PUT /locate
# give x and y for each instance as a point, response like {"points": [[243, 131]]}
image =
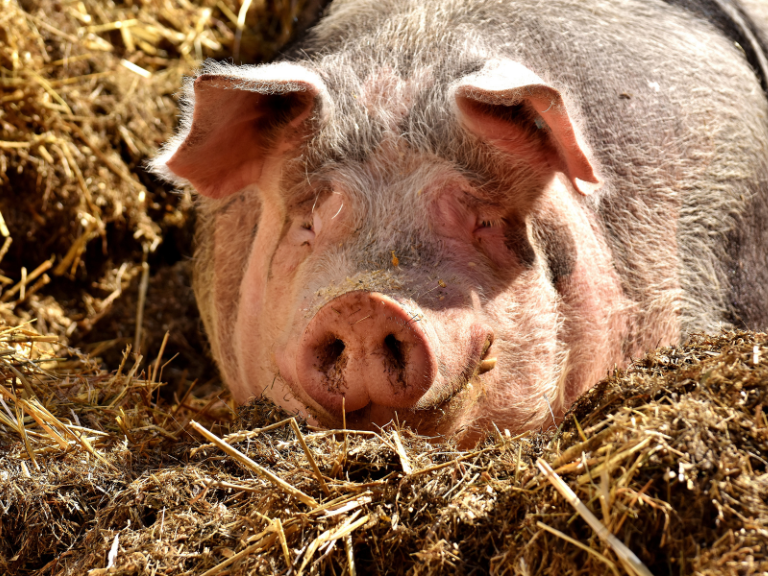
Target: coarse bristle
{"points": [[657, 470], [115, 460]]}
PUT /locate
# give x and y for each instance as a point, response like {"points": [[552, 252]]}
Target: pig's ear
{"points": [[236, 119], [508, 105]]}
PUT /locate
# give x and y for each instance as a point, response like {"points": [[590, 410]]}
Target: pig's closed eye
{"points": [[306, 228], [502, 238], [303, 232], [485, 226]]}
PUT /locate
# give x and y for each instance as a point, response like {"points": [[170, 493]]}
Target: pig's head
{"points": [[387, 248]]}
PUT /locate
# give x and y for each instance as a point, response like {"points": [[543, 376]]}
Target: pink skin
{"points": [[276, 339], [478, 336], [512, 83], [530, 324]]}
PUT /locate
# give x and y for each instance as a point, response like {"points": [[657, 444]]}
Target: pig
{"points": [[461, 214]]}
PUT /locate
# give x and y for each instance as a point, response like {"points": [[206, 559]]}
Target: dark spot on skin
{"points": [[516, 240], [558, 247]]}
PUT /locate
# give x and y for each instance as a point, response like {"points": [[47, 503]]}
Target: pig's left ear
{"points": [[237, 118], [493, 103]]}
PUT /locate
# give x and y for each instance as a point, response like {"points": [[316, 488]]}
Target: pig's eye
{"points": [[488, 225], [303, 232], [306, 228], [502, 238]]}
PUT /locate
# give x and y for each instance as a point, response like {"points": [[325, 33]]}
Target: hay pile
{"points": [[100, 476], [130, 467], [86, 95]]}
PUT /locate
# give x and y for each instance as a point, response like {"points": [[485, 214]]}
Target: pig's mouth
{"points": [[438, 413], [429, 415], [433, 421], [478, 362]]}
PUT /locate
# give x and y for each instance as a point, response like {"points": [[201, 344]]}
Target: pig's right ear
{"points": [[236, 119], [512, 108]]}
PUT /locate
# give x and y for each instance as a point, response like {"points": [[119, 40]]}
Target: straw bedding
{"points": [[125, 456], [100, 476]]}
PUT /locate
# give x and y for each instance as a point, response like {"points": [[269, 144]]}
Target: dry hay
{"points": [[86, 95], [97, 471]]}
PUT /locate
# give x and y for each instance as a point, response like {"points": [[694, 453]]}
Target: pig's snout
{"points": [[365, 348]]}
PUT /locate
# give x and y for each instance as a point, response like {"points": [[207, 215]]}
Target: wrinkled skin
{"points": [[457, 214]]}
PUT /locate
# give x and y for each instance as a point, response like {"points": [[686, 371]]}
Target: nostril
{"points": [[329, 354], [395, 352]]}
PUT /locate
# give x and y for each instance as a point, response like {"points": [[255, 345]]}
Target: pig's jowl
{"points": [[463, 213]]}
